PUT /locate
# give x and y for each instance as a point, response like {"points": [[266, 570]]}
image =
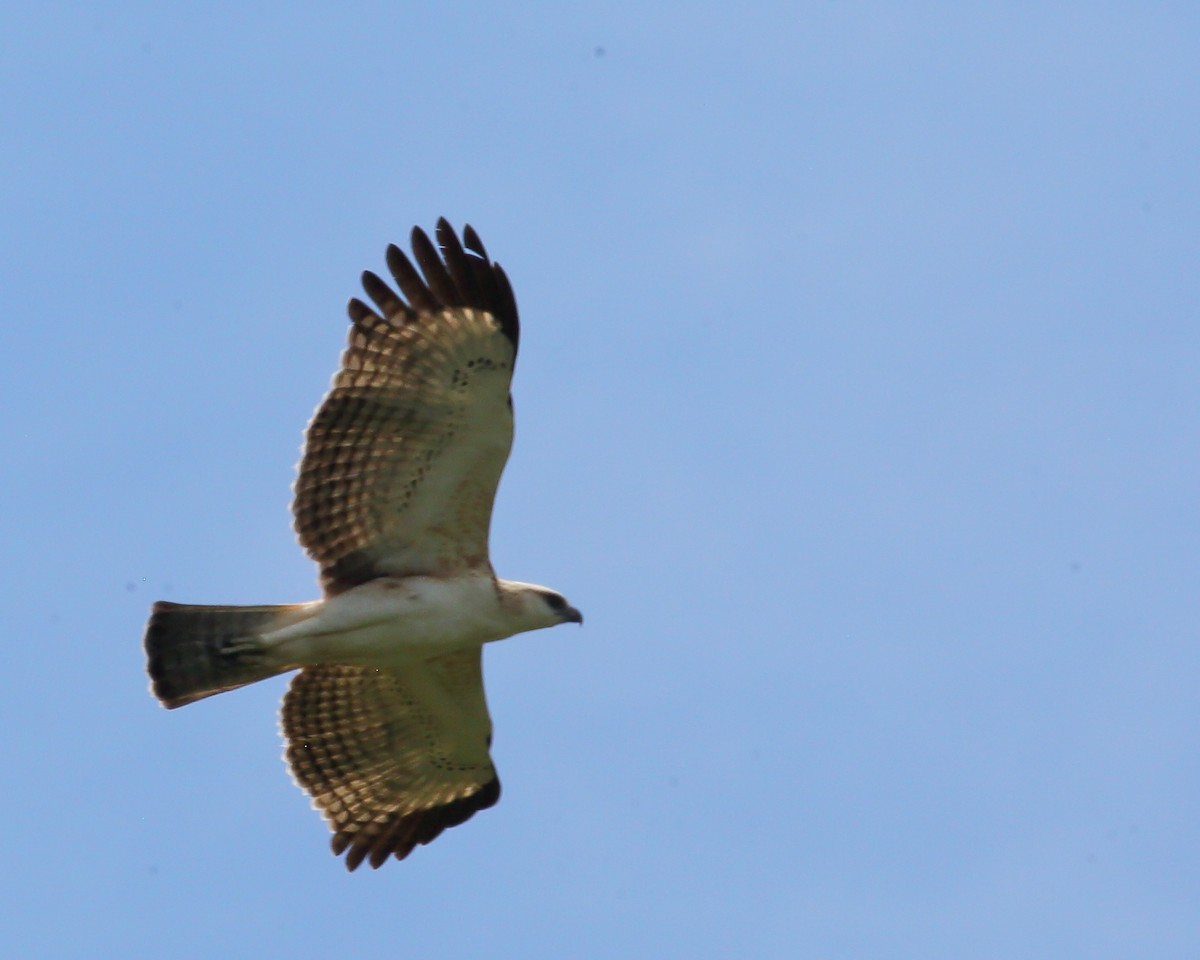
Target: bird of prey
{"points": [[386, 723]]}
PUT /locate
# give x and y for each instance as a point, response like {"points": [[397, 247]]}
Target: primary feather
{"points": [[386, 723]]}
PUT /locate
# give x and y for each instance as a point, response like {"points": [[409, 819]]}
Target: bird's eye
{"points": [[555, 602]]}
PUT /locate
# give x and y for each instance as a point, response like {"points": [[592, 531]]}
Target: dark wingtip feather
{"points": [[437, 277], [355, 857], [377, 844], [508, 304], [360, 312], [472, 242], [454, 273], [461, 267], [409, 281], [390, 305]]}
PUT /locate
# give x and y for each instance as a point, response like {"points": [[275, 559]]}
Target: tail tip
{"points": [[156, 645]]}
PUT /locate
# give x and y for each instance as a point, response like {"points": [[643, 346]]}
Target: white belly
{"points": [[390, 622]]}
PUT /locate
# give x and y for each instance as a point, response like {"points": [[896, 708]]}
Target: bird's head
{"points": [[538, 607]]}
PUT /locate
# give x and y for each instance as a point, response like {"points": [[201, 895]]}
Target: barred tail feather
{"points": [[195, 651]]}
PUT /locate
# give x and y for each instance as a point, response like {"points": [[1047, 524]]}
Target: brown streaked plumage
{"points": [[402, 458], [377, 765], [386, 723]]}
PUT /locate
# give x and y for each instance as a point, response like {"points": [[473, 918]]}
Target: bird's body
{"points": [[389, 623], [386, 722], [392, 622]]}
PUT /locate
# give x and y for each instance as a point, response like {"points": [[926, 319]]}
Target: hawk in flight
{"points": [[386, 723]]}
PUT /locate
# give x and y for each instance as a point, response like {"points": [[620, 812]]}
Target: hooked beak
{"points": [[571, 615]]}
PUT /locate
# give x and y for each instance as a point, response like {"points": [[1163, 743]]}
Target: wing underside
{"points": [[391, 760], [403, 456]]}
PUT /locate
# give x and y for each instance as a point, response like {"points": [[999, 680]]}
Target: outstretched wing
{"points": [[402, 458], [391, 760]]}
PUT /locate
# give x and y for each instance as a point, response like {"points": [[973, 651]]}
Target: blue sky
{"points": [[857, 409]]}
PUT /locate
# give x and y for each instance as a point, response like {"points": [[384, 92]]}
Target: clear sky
{"points": [[856, 408]]}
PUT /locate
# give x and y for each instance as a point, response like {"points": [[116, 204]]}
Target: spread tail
{"points": [[193, 652]]}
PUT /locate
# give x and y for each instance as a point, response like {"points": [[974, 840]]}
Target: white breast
{"points": [[389, 622]]}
